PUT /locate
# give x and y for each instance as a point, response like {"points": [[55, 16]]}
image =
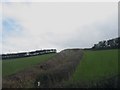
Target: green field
{"points": [[93, 67], [97, 65], [15, 65]]}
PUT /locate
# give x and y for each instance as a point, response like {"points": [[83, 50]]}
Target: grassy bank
{"points": [[50, 73], [96, 69], [15, 65]]}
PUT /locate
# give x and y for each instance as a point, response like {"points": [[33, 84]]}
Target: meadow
{"points": [[95, 66], [13, 66]]}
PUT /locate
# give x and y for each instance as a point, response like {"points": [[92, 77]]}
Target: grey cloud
{"points": [[92, 34]]}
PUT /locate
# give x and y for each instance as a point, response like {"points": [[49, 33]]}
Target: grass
{"points": [[94, 66], [15, 65], [97, 65]]}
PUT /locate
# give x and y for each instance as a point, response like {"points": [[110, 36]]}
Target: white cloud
{"points": [[59, 25]]}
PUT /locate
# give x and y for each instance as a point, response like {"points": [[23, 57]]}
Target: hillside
{"points": [[98, 69], [49, 73], [12, 66], [71, 68]]}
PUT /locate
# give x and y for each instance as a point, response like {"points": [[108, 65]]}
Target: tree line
{"points": [[27, 54], [108, 44]]}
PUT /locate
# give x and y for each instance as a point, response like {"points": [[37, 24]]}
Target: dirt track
{"points": [[49, 73]]}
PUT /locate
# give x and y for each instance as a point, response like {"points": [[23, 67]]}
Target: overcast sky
{"points": [[31, 26]]}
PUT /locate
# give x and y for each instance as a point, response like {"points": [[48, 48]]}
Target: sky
{"points": [[60, 25]]}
